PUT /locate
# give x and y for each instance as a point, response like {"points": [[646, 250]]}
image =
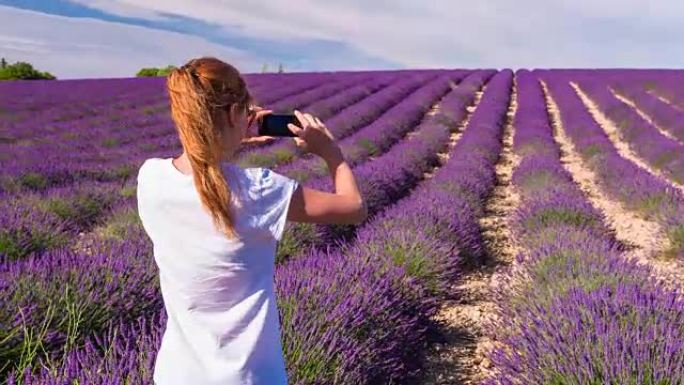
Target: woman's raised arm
{"points": [[345, 205]]}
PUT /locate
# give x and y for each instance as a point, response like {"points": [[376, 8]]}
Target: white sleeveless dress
{"points": [[223, 326]]}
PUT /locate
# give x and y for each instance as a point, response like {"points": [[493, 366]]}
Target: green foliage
{"points": [[166, 70], [676, 237], [309, 361], [535, 146], [110, 142], [649, 205], [267, 159], [119, 225], [153, 71], [121, 172], [146, 146], [539, 182], [33, 180], [22, 71], [128, 191], [147, 72], [556, 216], [368, 146], [149, 110], [295, 240], [82, 210], [282, 155], [319, 167], [591, 151], [300, 175], [418, 258], [18, 244]]}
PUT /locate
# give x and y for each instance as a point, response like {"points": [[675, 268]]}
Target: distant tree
{"points": [[154, 71], [166, 70], [264, 68], [149, 71], [22, 71], [280, 68]]}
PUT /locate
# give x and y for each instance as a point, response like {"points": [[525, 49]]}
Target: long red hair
{"points": [[200, 92]]}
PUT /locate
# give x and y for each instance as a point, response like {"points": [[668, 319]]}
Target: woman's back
{"points": [[223, 323]]}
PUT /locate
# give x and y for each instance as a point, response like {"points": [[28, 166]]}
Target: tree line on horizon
{"points": [[164, 71], [21, 70]]}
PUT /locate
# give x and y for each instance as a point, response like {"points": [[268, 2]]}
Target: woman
{"points": [[214, 227]]}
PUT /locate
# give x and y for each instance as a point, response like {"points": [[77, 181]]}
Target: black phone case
{"points": [[276, 124]]}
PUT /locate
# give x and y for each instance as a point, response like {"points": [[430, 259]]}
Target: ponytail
{"points": [[198, 113]]}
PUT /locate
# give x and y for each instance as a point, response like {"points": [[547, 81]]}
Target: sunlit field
{"points": [[524, 227]]}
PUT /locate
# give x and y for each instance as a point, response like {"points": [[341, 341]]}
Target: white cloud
{"points": [[30, 46], [451, 33], [87, 48]]}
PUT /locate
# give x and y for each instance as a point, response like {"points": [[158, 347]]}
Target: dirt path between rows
{"points": [[459, 355], [613, 134], [434, 108], [643, 115], [645, 239], [455, 136], [664, 100]]}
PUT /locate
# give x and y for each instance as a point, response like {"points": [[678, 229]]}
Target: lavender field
{"points": [[525, 227]]}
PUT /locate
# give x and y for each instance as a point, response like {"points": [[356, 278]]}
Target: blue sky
{"points": [[114, 38]]}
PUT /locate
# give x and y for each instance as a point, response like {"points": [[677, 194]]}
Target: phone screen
{"points": [[276, 124]]}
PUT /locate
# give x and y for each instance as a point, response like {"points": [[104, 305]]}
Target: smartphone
{"points": [[275, 124]]}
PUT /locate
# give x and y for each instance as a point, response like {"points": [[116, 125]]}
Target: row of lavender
{"points": [[578, 311], [50, 277], [379, 276]]}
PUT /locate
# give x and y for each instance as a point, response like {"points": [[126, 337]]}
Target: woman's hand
{"points": [[258, 139], [314, 137], [251, 138]]}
